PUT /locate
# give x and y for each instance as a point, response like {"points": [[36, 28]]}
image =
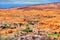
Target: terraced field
{"points": [[31, 20]]}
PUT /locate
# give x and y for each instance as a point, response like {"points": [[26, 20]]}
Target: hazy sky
{"points": [[26, 1]]}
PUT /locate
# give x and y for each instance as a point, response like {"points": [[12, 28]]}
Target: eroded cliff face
{"points": [[38, 17]]}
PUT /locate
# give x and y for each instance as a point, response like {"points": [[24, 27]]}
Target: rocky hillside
{"points": [[44, 17]]}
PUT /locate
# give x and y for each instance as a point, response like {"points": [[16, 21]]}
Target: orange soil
{"points": [[18, 14]]}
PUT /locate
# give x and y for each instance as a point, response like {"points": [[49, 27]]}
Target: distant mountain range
{"points": [[11, 4], [42, 6], [35, 6], [55, 5]]}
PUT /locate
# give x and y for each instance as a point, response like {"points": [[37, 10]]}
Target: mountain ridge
{"points": [[48, 5]]}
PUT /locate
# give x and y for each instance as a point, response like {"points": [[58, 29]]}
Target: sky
{"points": [[26, 1], [12, 3]]}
